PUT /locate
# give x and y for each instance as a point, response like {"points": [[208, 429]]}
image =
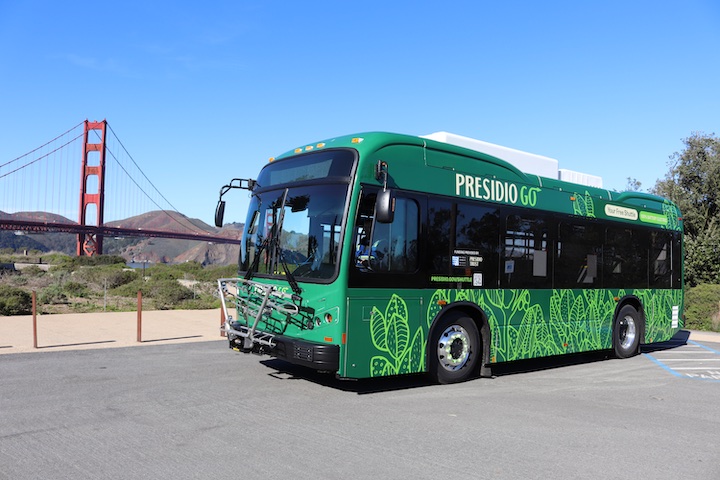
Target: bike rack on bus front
{"points": [[255, 302]]}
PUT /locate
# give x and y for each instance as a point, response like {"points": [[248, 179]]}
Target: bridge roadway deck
{"points": [[107, 330], [119, 329]]}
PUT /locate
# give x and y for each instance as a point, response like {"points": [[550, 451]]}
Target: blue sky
{"points": [[200, 92]]}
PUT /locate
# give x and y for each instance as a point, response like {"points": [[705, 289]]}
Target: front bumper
{"points": [[318, 356]]}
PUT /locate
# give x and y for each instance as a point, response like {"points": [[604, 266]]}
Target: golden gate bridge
{"points": [[87, 172]]}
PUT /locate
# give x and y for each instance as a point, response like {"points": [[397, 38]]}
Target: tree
{"points": [[693, 183], [633, 184]]}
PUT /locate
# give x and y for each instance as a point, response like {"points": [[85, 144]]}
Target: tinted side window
{"points": [[387, 255], [476, 246], [394, 246], [625, 256], [440, 221], [578, 256], [462, 242], [525, 255], [661, 260]]}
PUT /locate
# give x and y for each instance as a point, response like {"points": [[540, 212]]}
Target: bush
{"points": [[702, 307], [168, 294], [111, 275], [75, 289], [33, 271], [14, 301], [52, 294]]}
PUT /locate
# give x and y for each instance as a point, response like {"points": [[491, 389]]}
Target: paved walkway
{"points": [[107, 330], [119, 329]]}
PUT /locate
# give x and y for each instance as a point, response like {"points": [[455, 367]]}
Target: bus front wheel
{"points": [[455, 349], [626, 332]]}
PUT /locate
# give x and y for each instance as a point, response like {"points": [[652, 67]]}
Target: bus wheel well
{"points": [[634, 302], [480, 320], [628, 328]]}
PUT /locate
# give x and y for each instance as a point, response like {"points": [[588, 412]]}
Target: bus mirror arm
{"points": [[241, 183]]}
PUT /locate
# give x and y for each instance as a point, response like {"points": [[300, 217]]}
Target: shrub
{"points": [[33, 271], [52, 294], [702, 307], [14, 301], [111, 275], [168, 294], [75, 289]]}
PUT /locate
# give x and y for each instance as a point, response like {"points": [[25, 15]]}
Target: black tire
{"points": [[626, 332], [455, 349]]}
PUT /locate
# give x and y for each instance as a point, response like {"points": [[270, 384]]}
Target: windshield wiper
{"points": [[278, 249]]}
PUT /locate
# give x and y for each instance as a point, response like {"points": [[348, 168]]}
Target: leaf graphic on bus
{"points": [[390, 332], [414, 359], [496, 298], [559, 315], [589, 205], [578, 204], [378, 330], [528, 328], [381, 367], [395, 328], [583, 205], [439, 298], [672, 215], [398, 336], [520, 300]]}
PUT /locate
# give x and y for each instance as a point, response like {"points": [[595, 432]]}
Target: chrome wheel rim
{"points": [[453, 348], [627, 332]]}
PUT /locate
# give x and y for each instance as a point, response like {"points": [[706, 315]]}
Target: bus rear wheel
{"points": [[626, 332], [455, 349]]}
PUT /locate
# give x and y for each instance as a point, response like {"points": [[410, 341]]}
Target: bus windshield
{"points": [[295, 225]]}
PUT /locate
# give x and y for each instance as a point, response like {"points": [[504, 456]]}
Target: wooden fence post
{"points": [[34, 315], [139, 316]]}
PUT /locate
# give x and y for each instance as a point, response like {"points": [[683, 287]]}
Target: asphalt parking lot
{"points": [[199, 410]]}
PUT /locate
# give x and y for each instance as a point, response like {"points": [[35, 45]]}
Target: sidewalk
{"points": [[107, 330], [698, 336]]}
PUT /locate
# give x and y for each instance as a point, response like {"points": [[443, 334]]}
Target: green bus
{"points": [[383, 254]]}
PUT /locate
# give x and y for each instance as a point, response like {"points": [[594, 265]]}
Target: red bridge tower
{"points": [[92, 188]]}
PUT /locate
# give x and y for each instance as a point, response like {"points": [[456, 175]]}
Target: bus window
{"points": [[440, 221], [660, 260], [387, 247], [625, 254], [525, 259], [462, 241], [576, 261], [393, 246]]}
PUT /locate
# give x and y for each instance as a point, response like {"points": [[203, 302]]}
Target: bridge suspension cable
{"points": [[187, 223]]}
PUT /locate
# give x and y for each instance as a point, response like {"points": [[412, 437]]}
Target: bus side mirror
{"points": [[385, 206], [219, 213]]}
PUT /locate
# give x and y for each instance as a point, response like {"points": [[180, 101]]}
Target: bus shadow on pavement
{"points": [[678, 340], [288, 371]]}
